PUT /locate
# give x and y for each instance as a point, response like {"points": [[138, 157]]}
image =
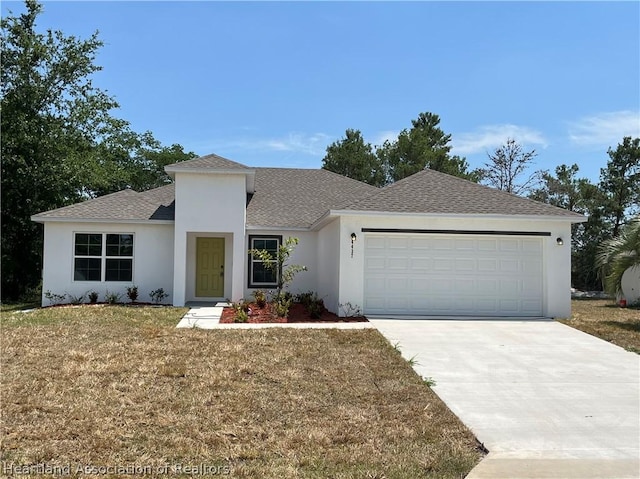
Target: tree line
{"points": [[609, 203], [61, 141]]}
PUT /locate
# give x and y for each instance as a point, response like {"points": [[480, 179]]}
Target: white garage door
{"points": [[453, 275]]}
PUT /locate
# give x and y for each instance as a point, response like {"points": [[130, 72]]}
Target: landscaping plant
{"points": [[112, 298], [283, 271], [158, 295], [260, 297], [132, 293], [54, 298]]}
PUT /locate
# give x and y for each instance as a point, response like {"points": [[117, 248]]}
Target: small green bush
{"points": [[113, 297], [281, 306], [260, 297], [54, 298], [76, 299], [158, 295], [132, 293], [93, 297]]}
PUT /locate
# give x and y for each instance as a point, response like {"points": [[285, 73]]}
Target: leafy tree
{"points": [[507, 165], [278, 263], [425, 145], [59, 141], [352, 157], [621, 181], [618, 254]]}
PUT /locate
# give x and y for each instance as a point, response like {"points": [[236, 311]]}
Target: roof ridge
{"points": [[497, 190], [205, 158], [469, 186]]}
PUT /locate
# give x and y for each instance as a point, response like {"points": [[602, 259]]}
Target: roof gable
{"points": [[430, 191], [208, 162]]}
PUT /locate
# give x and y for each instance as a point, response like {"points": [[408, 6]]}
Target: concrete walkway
{"points": [[208, 317], [547, 401]]}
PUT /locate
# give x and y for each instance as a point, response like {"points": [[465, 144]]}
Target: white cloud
{"points": [[313, 144], [489, 137], [605, 129], [382, 136]]}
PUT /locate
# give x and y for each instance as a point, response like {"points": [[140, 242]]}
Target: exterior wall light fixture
{"points": [[559, 241], [353, 240]]}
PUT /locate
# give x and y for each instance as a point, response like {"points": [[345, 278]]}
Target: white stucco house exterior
{"points": [[428, 245]]}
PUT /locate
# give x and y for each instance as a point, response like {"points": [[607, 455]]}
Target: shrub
{"points": [[132, 293], [305, 298], [113, 297], [76, 299], [158, 295], [260, 297], [54, 298], [241, 316], [315, 306], [278, 263], [242, 311], [281, 305], [93, 297], [350, 310]]}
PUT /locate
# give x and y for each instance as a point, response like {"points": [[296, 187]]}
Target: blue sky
{"points": [[272, 84]]}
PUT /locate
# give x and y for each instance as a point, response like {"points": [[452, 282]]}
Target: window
{"points": [[259, 275], [103, 257]]}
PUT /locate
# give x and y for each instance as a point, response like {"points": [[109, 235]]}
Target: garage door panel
{"points": [[450, 275], [372, 264], [487, 245], [443, 264], [487, 265], [509, 265], [531, 246], [465, 264], [465, 244], [396, 263], [508, 245]]}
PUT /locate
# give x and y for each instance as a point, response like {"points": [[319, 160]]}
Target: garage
{"points": [[454, 274]]}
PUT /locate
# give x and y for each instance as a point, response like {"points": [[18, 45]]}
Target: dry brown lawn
{"points": [[604, 319], [117, 386]]}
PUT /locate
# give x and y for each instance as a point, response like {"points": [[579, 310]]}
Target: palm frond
{"points": [[618, 254]]}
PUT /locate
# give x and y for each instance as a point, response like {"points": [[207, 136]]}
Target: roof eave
{"points": [[59, 219], [250, 227], [573, 219]]}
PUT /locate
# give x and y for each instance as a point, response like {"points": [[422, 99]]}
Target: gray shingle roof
{"points": [[430, 191], [156, 204], [287, 197], [290, 197], [209, 162]]}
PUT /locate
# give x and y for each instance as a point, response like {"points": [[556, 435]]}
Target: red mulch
{"points": [[297, 314]]}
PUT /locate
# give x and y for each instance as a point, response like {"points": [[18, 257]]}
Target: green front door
{"points": [[210, 267]]}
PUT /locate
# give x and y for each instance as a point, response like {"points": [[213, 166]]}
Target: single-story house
{"points": [[428, 245]]}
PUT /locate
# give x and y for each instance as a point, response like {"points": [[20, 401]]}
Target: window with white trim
{"points": [[259, 275], [103, 257]]}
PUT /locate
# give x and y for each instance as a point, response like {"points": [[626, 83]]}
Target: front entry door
{"points": [[210, 267]]}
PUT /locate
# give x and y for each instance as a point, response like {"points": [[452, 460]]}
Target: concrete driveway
{"points": [[547, 401]]}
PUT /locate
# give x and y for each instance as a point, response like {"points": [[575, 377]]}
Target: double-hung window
{"points": [[261, 276], [103, 257]]}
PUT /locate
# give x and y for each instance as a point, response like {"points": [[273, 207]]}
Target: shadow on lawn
{"points": [[628, 326]]}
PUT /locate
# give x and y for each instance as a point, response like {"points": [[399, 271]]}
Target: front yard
{"points": [[604, 319], [121, 386]]}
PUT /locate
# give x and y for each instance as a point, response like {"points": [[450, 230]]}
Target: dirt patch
{"points": [[297, 314]]}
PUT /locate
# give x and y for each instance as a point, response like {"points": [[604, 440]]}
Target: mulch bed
{"points": [[297, 314]]}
